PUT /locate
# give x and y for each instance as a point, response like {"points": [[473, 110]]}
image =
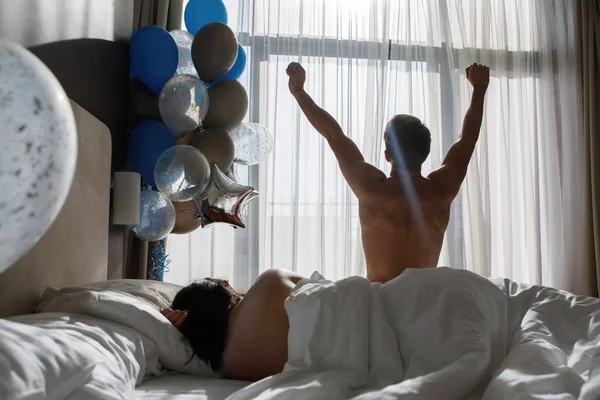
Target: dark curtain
{"points": [[588, 29], [167, 14]]}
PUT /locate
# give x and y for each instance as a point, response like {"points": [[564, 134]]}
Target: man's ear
{"points": [[388, 157]]}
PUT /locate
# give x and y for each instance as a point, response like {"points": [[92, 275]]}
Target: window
{"points": [[367, 61]]}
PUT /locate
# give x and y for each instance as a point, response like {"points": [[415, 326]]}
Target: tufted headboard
{"points": [[75, 248]]}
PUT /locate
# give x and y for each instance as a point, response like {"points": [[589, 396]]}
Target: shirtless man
{"points": [[403, 219]]}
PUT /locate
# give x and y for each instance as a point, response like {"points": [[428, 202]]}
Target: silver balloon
{"points": [[184, 40], [253, 143], [38, 153], [182, 173], [225, 201], [157, 216], [183, 104]]}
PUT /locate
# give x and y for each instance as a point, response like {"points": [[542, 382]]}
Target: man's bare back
{"points": [[404, 216], [401, 228]]}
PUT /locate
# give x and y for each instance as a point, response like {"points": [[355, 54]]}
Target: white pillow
{"points": [[159, 294], [135, 304]]}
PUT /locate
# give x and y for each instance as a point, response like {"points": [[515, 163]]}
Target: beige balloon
{"points": [[184, 140], [228, 105], [214, 51], [216, 145], [185, 218]]}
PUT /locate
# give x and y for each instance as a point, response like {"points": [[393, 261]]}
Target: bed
{"points": [[186, 387], [67, 332]]}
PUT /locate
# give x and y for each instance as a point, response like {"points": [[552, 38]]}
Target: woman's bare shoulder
{"points": [[280, 275]]}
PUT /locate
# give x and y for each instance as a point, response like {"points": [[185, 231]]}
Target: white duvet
{"points": [[436, 334]]}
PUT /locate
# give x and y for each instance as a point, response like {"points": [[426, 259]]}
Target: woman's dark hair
{"points": [[208, 303]]}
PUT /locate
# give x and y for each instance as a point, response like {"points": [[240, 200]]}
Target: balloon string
{"points": [[160, 261]]}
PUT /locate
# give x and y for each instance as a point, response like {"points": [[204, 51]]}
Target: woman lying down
{"points": [[429, 333], [242, 336]]}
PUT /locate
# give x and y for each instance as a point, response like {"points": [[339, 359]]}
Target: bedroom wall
{"points": [[35, 22], [86, 44]]}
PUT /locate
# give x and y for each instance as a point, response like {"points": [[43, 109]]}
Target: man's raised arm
{"points": [[454, 168], [360, 175]]}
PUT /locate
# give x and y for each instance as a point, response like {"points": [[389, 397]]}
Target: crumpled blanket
{"points": [[436, 334]]}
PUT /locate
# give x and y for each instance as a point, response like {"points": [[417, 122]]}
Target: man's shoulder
{"points": [[425, 191]]}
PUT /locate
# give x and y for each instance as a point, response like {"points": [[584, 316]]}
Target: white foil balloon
{"points": [[183, 104], [184, 40], [157, 216], [38, 152], [253, 143]]}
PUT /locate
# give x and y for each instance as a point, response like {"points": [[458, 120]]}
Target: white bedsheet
{"points": [[61, 356], [436, 334], [186, 387]]}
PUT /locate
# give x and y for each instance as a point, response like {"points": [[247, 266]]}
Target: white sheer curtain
{"points": [[519, 214]]}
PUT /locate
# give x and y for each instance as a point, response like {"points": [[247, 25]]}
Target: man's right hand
{"points": [[478, 75], [297, 76]]}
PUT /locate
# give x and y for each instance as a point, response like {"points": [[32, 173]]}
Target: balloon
{"points": [[199, 13], [214, 51], [216, 145], [238, 68], [228, 105], [183, 104], [184, 41], [182, 173], [184, 139], [253, 143], [157, 216], [143, 104], [147, 141], [232, 174], [186, 217], [225, 201], [38, 153], [154, 56]]}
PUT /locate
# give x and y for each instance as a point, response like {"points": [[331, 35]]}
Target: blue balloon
{"points": [[238, 68], [154, 56], [147, 141], [201, 12]]}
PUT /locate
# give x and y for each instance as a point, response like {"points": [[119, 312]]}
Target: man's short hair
{"points": [[408, 141]]}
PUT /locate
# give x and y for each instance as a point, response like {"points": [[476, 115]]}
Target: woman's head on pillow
{"points": [[207, 303]]}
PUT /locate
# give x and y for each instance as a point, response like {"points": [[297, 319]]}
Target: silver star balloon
{"points": [[224, 200]]}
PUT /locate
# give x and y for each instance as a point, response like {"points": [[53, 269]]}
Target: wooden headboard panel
{"points": [[75, 248]]}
